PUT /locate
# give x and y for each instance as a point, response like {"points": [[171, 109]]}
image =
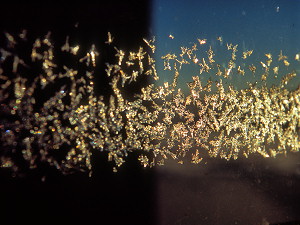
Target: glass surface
{"points": [[262, 26], [150, 112], [252, 190]]}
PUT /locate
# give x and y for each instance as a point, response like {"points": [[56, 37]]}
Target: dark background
{"points": [[126, 197]]}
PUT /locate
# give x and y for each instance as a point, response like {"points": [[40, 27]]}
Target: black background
{"points": [[126, 197]]}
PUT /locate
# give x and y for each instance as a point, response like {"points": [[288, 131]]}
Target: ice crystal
{"points": [[63, 127]]}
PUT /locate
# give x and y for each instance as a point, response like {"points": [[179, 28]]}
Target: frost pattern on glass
{"points": [[63, 127]]}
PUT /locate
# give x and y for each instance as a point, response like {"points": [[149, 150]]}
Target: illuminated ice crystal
{"points": [[62, 128]]}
